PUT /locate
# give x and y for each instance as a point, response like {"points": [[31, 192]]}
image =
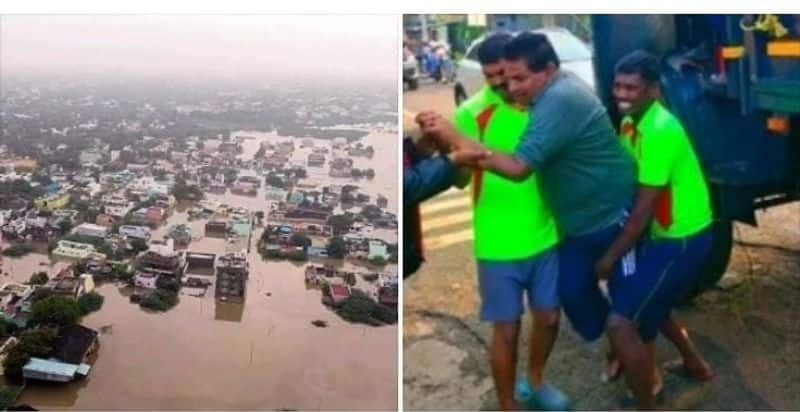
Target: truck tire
{"points": [[717, 263]]}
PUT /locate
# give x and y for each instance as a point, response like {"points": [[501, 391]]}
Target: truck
{"points": [[734, 83]]}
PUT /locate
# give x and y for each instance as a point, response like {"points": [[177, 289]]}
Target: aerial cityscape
{"points": [[198, 242]]}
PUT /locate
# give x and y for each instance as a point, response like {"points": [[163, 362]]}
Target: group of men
{"points": [[564, 204]]}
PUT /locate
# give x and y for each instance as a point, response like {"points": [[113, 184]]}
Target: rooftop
{"points": [[51, 367], [73, 343]]}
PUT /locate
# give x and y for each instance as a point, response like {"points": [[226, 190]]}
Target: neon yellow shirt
{"points": [[510, 220], [665, 157]]}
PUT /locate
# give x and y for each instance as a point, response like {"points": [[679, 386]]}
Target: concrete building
{"points": [[70, 356], [91, 230], [232, 273], [73, 250], [135, 232]]}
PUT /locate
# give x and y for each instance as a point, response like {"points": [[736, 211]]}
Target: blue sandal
{"points": [[544, 397]]}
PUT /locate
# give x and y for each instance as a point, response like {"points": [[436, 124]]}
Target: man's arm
{"points": [[442, 130], [426, 178], [637, 222], [508, 166], [433, 175], [466, 124]]}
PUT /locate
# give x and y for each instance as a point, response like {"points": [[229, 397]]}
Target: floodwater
{"points": [[263, 354]]}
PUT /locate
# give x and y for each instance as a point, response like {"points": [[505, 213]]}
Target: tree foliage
{"points": [[17, 250], [36, 342], [300, 240], [90, 302], [359, 307], [160, 299], [39, 278], [168, 283], [337, 248], [57, 311], [139, 245], [273, 180], [64, 225], [341, 223]]}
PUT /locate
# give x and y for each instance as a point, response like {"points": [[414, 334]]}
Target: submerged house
{"points": [[73, 250], [341, 167], [181, 234], [135, 232], [162, 259], [91, 230], [316, 160], [152, 216], [53, 202], [244, 188], [217, 227], [275, 194], [69, 359], [378, 250], [339, 293], [232, 273]]}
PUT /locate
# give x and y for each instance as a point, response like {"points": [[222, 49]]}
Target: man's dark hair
{"points": [[492, 48], [642, 63], [534, 48]]}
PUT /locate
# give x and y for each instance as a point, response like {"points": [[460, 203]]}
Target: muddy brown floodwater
{"points": [[263, 354]]}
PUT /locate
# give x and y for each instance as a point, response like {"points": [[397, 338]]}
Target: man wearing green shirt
{"points": [[671, 216], [515, 240]]}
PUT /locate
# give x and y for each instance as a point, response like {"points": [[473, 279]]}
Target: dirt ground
{"points": [[748, 327]]}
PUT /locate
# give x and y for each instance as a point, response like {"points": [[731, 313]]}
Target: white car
{"points": [[574, 55]]}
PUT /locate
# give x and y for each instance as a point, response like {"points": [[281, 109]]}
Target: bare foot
{"points": [[612, 370], [697, 369], [658, 383]]}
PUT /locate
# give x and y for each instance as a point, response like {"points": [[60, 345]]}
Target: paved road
{"points": [[748, 332]]}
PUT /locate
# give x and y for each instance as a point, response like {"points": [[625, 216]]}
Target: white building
{"points": [[89, 229], [138, 232]]}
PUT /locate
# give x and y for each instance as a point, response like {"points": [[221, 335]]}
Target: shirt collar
{"points": [[556, 76], [646, 120]]}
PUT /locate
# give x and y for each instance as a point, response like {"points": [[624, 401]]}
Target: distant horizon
{"points": [[276, 82], [265, 49]]}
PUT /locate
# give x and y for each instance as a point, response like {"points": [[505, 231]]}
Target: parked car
{"points": [[573, 53]]}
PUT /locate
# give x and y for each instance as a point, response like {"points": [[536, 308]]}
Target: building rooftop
{"points": [[51, 367], [73, 342]]}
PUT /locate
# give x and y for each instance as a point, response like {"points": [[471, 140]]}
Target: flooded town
{"points": [[187, 246]]}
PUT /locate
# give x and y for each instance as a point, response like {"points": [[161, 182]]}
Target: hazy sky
{"points": [[244, 47]]}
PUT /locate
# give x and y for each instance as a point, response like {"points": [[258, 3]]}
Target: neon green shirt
{"points": [[510, 220], [665, 157]]}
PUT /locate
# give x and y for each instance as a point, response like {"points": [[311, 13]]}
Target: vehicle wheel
{"points": [[460, 95], [717, 263], [413, 84]]}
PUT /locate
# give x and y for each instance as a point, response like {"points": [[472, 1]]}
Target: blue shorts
{"points": [[665, 271], [503, 283], [578, 287]]}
